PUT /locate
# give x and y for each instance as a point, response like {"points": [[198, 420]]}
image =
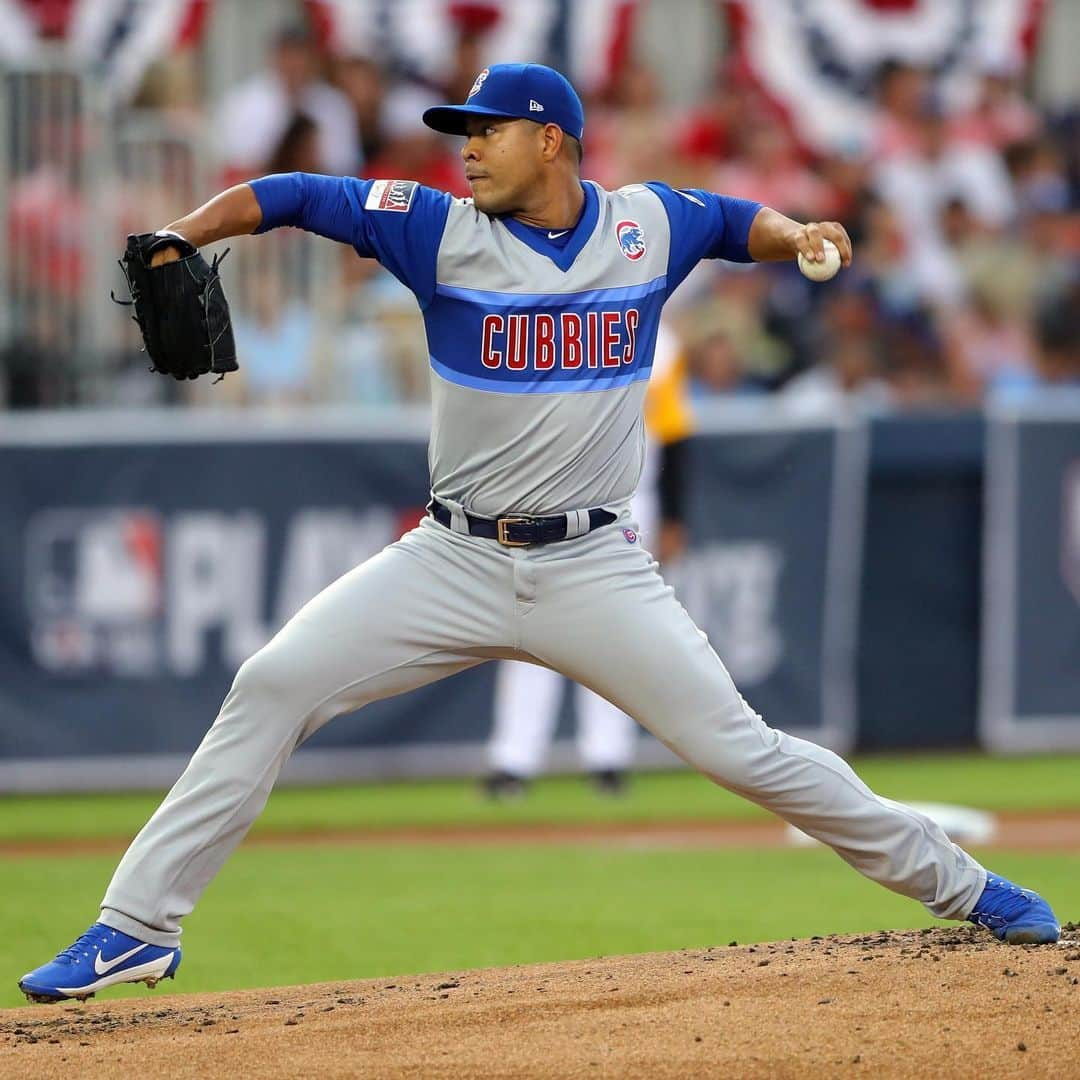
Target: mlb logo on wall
{"points": [[94, 589], [391, 195], [631, 239]]}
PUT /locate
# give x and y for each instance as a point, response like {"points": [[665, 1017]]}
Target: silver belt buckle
{"points": [[504, 523]]}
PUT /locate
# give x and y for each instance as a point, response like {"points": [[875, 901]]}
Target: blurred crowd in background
{"points": [[944, 136]]}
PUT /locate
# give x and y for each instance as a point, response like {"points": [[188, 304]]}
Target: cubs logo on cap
{"points": [[479, 82], [631, 238]]}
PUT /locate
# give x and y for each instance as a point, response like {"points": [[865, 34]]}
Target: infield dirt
{"points": [[932, 1003], [1013, 831]]}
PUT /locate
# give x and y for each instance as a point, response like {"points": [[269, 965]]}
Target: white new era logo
{"points": [[535, 106]]}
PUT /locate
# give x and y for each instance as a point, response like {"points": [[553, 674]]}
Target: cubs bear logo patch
{"points": [[631, 239]]}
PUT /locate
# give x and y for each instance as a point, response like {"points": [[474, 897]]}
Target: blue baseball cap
{"points": [[514, 91]]}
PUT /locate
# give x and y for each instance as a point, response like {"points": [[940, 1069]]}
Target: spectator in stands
{"points": [[632, 133], [768, 168], [918, 182], [380, 346], [914, 364], [406, 356], [1057, 354], [363, 82], [275, 337], [35, 366], [255, 115], [715, 366], [1048, 217], [902, 90], [885, 254], [988, 346], [1058, 331], [1003, 262], [47, 207], [848, 370], [846, 378], [298, 148], [1035, 170], [962, 219], [706, 133], [411, 150], [1000, 117], [847, 173], [471, 22]]}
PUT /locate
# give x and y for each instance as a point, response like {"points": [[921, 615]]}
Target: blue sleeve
{"points": [[398, 222], [704, 226]]}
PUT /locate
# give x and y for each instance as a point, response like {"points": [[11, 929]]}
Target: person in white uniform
{"points": [[528, 697]]}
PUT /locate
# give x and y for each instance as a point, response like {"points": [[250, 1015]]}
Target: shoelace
{"points": [[75, 950], [1001, 886]]}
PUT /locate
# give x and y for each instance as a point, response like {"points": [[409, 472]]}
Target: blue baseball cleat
{"points": [[1014, 915], [101, 957]]}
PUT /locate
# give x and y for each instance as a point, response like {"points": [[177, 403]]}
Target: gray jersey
{"points": [[542, 437], [541, 342]]}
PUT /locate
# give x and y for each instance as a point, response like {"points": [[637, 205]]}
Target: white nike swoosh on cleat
{"points": [[154, 968], [104, 967], [556, 235]]}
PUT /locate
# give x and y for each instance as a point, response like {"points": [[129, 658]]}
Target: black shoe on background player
{"points": [[501, 786], [609, 782]]}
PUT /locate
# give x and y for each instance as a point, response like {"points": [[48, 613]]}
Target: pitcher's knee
{"points": [[270, 690], [264, 679]]}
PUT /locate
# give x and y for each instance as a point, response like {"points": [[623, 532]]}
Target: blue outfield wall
{"points": [[920, 595], [1030, 664], [837, 567]]}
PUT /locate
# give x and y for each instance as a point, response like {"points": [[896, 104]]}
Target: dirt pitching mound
{"points": [[932, 1003]]}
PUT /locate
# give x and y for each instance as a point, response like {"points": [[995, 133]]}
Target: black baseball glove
{"points": [[180, 308]]}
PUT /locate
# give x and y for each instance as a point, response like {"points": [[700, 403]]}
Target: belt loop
{"points": [[459, 523], [577, 523]]}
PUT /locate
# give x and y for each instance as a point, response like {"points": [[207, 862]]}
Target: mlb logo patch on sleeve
{"points": [[391, 195]]}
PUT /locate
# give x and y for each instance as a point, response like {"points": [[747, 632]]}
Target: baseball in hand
{"points": [[821, 271]]}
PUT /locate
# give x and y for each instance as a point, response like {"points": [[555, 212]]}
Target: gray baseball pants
{"points": [[594, 608]]}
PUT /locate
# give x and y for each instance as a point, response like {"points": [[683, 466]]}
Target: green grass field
{"points": [[308, 913], [1030, 783]]}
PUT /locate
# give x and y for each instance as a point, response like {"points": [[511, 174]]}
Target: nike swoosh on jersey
{"points": [[556, 235], [686, 195], [103, 967]]}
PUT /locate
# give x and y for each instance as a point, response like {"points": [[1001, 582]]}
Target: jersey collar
{"points": [[562, 257]]}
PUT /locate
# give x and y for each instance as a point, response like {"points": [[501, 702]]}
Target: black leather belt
{"points": [[519, 530]]}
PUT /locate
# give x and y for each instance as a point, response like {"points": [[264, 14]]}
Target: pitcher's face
{"points": [[503, 161]]}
